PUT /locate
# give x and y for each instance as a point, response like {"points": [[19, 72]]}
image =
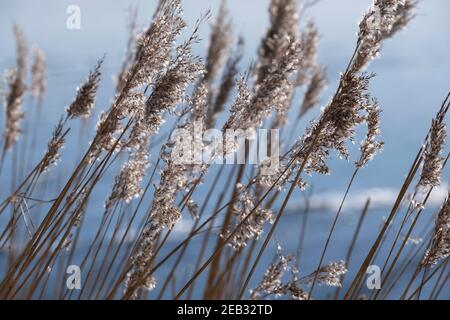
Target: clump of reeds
{"points": [[15, 79], [234, 221], [440, 243]]}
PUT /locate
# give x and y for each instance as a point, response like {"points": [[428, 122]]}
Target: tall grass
{"points": [[234, 224]]}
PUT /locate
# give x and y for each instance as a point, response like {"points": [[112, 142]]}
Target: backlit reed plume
{"points": [[251, 108], [283, 28], [253, 226], [310, 73], [440, 244], [16, 83], [370, 146], [433, 160], [128, 183], [80, 107], [168, 92], [329, 274], [309, 39], [38, 75], [271, 285], [84, 101], [219, 47], [152, 57], [382, 21], [350, 104], [155, 44], [335, 126], [272, 282], [170, 88], [53, 147], [272, 93]]}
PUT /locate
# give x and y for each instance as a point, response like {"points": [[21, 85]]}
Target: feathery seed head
{"points": [[309, 41], [433, 160], [219, 43], [283, 27], [440, 245], [15, 80], [257, 218], [382, 21], [370, 146], [155, 44], [329, 275], [316, 85], [54, 146], [38, 74], [84, 101]]}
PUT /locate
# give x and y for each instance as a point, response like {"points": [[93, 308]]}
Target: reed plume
{"points": [[155, 44], [253, 227], [167, 94], [310, 73], [283, 28], [370, 146], [84, 101], [53, 147], [15, 80], [440, 243], [271, 93], [272, 282], [219, 48], [329, 274], [151, 59], [38, 75], [384, 19], [433, 160], [309, 40]]}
